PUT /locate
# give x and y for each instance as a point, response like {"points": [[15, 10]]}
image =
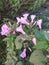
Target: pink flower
{"points": [[47, 56], [5, 29], [39, 23], [25, 16], [32, 18], [48, 31], [18, 20], [34, 41], [23, 54], [23, 39], [19, 29], [22, 21], [14, 32]]}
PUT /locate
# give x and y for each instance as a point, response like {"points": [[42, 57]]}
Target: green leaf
{"points": [[11, 45], [19, 63], [41, 45], [37, 58], [48, 49], [18, 44], [46, 36], [6, 39], [39, 34]]}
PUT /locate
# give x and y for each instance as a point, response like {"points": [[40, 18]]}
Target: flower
{"points": [[34, 41], [19, 29], [25, 16], [5, 29], [47, 56], [23, 54], [14, 32], [39, 23], [18, 20], [48, 31], [32, 18], [22, 21], [23, 39]]}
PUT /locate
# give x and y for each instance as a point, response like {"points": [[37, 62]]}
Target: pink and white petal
{"points": [[32, 18], [34, 41]]}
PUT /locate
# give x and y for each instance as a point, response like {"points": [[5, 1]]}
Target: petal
{"points": [[23, 54], [32, 18], [19, 29], [5, 29], [34, 41], [47, 56], [48, 31], [23, 21], [25, 16], [18, 20], [39, 23], [23, 39], [14, 32]]}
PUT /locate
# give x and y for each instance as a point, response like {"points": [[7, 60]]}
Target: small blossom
{"points": [[19, 29], [39, 23], [25, 16], [34, 41], [47, 56], [23, 54], [32, 18], [14, 32], [22, 21], [18, 20], [23, 39], [5, 29], [48, 31]]}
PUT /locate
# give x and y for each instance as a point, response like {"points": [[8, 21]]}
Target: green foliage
{"points": [[37, 58], [11, 55], [1, 5], [41, 44], [48, 49], [19, 63], [18, 44], [39, 34], [19, 41], [10, 59], [9, 8], [47, 36], [38, 4]]}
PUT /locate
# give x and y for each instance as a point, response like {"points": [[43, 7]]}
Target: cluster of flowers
{"points": [[22, 21]]}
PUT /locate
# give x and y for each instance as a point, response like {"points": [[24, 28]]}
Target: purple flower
{"points": [[19, 29], [5, 29], [39, 23], [22, 21], [34, 41], [32, 18], [23, 54], [25, 16]]}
